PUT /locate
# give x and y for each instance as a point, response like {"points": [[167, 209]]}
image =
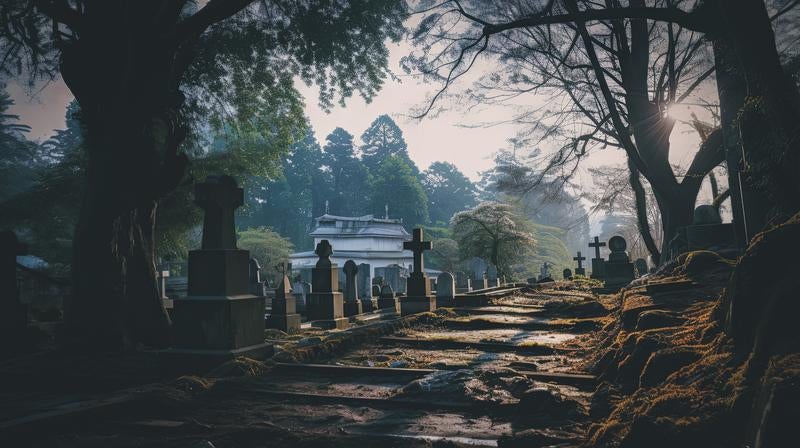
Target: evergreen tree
{"points": [[382, 139], [17, 154], [394, 184], [449, 191], [345, 176]]}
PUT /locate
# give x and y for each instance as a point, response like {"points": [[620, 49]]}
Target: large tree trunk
{"points": [[124, 78], [642, 218], [760, 108]]}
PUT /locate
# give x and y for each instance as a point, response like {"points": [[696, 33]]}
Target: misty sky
{"points": [[443, 137]]}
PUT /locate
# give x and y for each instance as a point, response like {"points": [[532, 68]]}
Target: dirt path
{"points": [[471, 376]]}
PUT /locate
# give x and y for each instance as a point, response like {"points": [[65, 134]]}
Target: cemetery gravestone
{"points": [[301, 291], [376, 291], [387, 300], [707, 231], [580, 270], [368, 302], [544, 273], [13, 314], [641, 266], [567, 274], [463, 283], [325, 306], [597, 261], [491, 276], [284, 315], [483, 282], [477, 267], [257, 287], [618, 268], [219, 318], [419, 298], [352, 303], [445, 290]]}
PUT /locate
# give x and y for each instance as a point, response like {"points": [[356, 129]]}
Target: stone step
{"points": [[354, 370], [443, 344]]}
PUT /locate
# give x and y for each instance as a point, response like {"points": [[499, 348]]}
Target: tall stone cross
{"points": [[579, 259], [597, 245], [417, 246], [219, 197]]}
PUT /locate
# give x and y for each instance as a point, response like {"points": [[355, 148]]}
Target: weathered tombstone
{"points": [[325, 306], [418, 298], [618, 268], [13, 314], [491, 276], [707, 231], [364, 280], [392, 275], [463, 283], [376, 291], [284, 315], [219, 318], [597, 261], [257, 287], [567, 274], [352, 304], [641, 267], [162, 277], [301, 291], [387, 300], [544, 273], [477, 267], [580, 269], [445, 290]]}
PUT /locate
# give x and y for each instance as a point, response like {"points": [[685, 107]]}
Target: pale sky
{"points": [[442, 137]]}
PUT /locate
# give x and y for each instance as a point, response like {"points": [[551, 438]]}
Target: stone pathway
{"points": [[466, 377]]}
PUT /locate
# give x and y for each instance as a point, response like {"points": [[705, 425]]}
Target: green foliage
{"points": [[396, 185], [445, 255], [549, 248], [382, 139], [346, 179], [17, 154], [268, 247], [449, 191], [495, 232]]}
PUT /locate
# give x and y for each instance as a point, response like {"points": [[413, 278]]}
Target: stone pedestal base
{"points": [[332, 324], [445, 302], [352, 308], [389, 304], [218, 325], [597, 268], [417, 304], [325, 305], [369, 305], [580, 271], [288, 323], [618, 275]]}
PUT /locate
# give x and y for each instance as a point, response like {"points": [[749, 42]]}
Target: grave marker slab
{"points": [[352, 303], [284, 314], [445, 290], [618, 268], [387, 300], [597, 261], [567, 274]]}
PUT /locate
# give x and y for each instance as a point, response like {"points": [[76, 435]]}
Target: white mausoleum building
{"points": [[363, 239]]}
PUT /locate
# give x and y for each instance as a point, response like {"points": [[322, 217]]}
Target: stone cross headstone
{"points": [[219, 318], [219, 197], [352, 303], [13, 314], [580, 259], [325, 305], [567, 274], [418, 298], [597, 261], [445, 290], [284, 315], [618, 268]]}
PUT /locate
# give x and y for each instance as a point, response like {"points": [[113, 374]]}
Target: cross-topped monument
{"points": [[597, 244], [597, 261], [352, 304], [219, 197], [417, 246], [419, 297], [580, 259]]}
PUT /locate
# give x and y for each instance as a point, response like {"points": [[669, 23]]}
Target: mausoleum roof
{"points": [[359, 226]]}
